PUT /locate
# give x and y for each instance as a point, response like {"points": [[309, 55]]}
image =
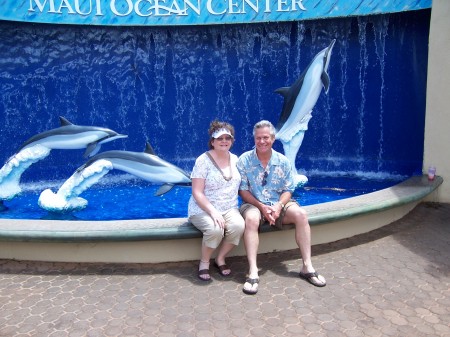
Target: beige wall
{"points": [[437, 122]]}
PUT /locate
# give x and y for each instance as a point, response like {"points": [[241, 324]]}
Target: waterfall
{"points": [[165, 85]]}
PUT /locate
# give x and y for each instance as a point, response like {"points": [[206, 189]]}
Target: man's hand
{"points": [[271, 213], [276, 211]]}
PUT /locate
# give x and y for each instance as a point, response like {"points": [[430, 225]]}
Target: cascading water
{"points": [[165, 85]]}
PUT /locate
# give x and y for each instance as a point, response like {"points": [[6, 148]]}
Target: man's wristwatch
{"points": [[282, 205]]}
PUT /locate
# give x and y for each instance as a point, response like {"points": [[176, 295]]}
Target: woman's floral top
{"points": [[222, 194]]}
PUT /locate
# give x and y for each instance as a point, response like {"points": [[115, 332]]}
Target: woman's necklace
{"points": [[220, 170]]}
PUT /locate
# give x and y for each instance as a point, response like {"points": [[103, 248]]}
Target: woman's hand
{"points": [[198, 188], [218, 219]]}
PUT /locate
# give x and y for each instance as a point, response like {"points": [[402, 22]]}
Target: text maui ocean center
{"points": [[162, 8]]}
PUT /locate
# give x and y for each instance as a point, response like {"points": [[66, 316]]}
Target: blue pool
{"points": [[125, 199]]}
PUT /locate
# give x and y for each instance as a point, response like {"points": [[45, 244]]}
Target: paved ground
{"points": [[394, 281]]}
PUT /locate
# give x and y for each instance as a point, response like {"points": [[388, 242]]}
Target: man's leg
{"points": [[296, 215], [251, 241]]}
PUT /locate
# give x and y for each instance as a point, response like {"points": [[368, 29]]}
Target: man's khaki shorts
{"points": [[278, 222]]}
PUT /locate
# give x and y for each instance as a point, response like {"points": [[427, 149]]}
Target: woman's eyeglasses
{"points": [[264, 181], [221, 139]]}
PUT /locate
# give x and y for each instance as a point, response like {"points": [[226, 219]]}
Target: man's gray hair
{"points": [[264, 124]]}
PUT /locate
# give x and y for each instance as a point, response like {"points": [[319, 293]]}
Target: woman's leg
{"points": [[234, 229], [212, 236]]}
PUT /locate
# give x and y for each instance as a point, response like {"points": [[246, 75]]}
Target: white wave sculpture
{"points": [[67, 198]]}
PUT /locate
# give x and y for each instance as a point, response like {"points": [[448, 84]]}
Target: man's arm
{"points": [[285, 197], [248, 197]]}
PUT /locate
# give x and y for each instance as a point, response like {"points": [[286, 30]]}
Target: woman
{"points": [[213, 206]]}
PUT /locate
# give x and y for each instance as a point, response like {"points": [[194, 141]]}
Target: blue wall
{"points": [[165, 85]]}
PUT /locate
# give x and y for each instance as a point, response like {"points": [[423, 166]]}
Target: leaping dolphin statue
{"points": [[70, 136], [146, 165], [299, 101]]}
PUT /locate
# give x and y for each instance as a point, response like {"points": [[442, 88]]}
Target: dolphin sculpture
{"points": [[299, 100], [70, 136], [67, 136], [145, 165]]}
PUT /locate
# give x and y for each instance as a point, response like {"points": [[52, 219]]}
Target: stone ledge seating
{"points": [[412, 190]]}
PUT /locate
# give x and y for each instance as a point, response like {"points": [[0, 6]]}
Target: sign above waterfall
{"points": [[193, 12]]}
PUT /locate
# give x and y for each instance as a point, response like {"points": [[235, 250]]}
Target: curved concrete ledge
{"points": [[165, 240]]}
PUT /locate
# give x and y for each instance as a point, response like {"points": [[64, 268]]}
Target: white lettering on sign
{"points": [[66, 6], [162, 8]]}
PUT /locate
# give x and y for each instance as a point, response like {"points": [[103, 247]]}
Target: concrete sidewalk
{"points": [[394, 281]]}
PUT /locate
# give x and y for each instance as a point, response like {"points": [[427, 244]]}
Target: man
{"points": [[266, 189]]}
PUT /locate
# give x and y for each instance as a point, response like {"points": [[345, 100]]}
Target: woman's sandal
{"points": [[202, 273], [222, 269], [253, 290]]}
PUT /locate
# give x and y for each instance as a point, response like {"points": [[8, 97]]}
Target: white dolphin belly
{"points": [[304, 103]]}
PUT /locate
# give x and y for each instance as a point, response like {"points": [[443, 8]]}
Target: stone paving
{"points": [[394, 281]]}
